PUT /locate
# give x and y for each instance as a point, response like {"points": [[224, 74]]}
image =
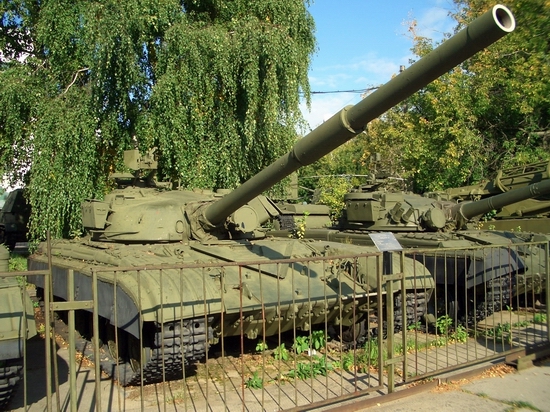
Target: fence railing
{"points": [[273, 334]]}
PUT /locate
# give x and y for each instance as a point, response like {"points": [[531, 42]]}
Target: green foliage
{"points": [[368, 357], [214, 85], [460, 334], [443, 324], [331, 191], [348, 361], [415, 326], [318, 339], [305, 370], [410, 344], [490, 112], [261, 346], [539, 318], [301, 344], [254, 382], [17, 263], [281, 353], [489, 215], [501, 332], [300, 227]]}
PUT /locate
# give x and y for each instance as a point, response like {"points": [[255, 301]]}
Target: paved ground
{"points": [[476, 390], [528, 390], [497, 388]]}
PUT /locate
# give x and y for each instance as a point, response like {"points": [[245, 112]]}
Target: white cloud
{"points": [[324, 106], [435, 22]]}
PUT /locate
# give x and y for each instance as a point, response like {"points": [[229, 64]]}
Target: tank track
{"points": [[416, 306], [164, 360], [9, 376], [498, 297]]}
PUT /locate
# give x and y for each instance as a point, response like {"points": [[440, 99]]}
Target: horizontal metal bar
{"points": [[74, 305], [25, 273], [431, 374], [394, 360], [394, 276]]}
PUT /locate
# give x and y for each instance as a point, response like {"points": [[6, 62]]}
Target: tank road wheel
{"points": [[9, 376], [134, 354], [119, 351], [354, 333]]}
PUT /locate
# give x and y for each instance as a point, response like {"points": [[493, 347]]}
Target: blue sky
{"points": [[362, 43]]}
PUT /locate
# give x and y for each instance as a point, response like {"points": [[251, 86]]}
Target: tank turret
{"points": [[407, 212], [530, 214], [468, 210], [143, 224]]}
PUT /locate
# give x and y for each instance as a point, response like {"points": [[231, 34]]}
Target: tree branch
{"points": [[75, 77]]}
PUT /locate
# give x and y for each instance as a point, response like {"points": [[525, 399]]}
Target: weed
{"points": [[460, 334], [348, 361], [300, 227], [306, 370], [281, 353], [261, 346], [254, 382], [369, 355], [415, 326], [522, 405], [443, 324], [17, 263], [318, 339], [410, 345], [501, 332], [539, 318], [301, 344], [439, 341]]}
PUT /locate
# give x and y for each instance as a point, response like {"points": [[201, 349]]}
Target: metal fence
{"points": [[286, 334]]}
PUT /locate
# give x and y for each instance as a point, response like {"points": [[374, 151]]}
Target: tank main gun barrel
{"points": [[467, 210], [352, 120]]}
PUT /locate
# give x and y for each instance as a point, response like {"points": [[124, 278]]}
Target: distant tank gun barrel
{"points": [[352, 120], [468, 210]]}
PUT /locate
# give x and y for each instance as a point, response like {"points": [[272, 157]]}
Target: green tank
{"points": [[530, 215], [16, 325], [424, 223], [175, 318]]}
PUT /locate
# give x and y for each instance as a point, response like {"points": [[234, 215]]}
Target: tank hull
{"points": [[491, 268], [16, 325], [179, 299]]}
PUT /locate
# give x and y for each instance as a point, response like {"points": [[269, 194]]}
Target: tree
{"points": [[214, 85], [490, 112]]}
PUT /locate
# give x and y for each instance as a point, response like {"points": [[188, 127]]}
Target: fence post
{"points": [[388, 269], [72, 348]]}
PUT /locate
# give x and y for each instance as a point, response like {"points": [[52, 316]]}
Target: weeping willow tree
{"points": [[213, 84]]}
